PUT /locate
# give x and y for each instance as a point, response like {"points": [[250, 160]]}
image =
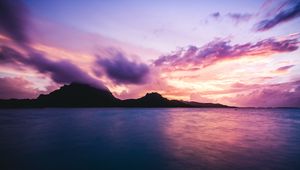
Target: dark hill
{"points": [[82, 95], [78, 95], [152, 100]]}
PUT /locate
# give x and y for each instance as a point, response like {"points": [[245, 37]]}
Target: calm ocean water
{"points": [[151, 139]]}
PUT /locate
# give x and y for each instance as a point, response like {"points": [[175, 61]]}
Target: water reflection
{"points": [[227, 138], [149, 139]]}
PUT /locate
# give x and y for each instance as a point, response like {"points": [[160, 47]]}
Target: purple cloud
{"points": [[219, 50], [238, 17], [62, 72], [265, 95], [215, 15], [285, 95], [16, 88], [13, 20], [123, 71], [286, 14], [284, 68]]}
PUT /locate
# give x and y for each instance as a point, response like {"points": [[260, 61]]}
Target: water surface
{"points": [[118, 138]]}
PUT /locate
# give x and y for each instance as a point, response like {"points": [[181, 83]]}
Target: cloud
{"points": [[215, 15], [280, 95], [13, 23], [62, 72], [123, 71], [287, 11], [10, 56], [236, 17], [218, 50], [13, 20], [198, 97], [17, 88], [283, 69]]}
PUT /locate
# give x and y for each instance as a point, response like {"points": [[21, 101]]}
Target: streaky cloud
{"points": [[284, 68], [219, 50], [276, 95], [13, 20], [17, 88], [290, 10], [62, 71]]}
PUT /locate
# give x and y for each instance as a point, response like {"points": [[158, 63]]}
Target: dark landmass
{"points": [[82, 95], [269, 107]]}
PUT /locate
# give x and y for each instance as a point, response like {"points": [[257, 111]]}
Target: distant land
{"points": [[83, 95]]}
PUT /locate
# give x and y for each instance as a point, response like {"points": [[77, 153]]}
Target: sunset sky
{"points": [[234, 52]]}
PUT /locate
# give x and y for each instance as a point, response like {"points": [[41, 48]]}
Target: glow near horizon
{"points": [[158, 28]]}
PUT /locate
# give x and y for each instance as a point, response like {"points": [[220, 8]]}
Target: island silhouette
{"points": [[84, 95]]}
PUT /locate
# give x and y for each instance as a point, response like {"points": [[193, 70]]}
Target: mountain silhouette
{"points": [[83, 95], [78, 95], [152, 100]]}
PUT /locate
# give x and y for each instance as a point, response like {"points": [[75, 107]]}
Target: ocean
{"points": [[149, 139]]}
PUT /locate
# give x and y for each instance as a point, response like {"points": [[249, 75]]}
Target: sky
{"points": [[234, 52]]}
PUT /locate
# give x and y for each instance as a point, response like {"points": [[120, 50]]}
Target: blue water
{"points": [[151, 139]]}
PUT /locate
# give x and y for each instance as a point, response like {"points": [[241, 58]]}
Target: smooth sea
{"points": [[149, 139]]}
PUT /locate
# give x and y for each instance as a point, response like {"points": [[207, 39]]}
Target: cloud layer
{"points": [[197, 73], [17, 88], [219, 50], [277, 95], [14, 20]]}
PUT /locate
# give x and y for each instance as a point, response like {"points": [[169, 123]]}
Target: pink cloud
{"points": [[276, 95], [200, 98], [17, 88], [220, 50]]}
